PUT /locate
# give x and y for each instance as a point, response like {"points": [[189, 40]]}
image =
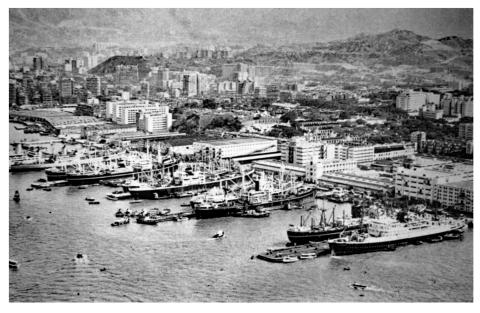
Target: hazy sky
{"points": [[435, 23], [269, 26]]}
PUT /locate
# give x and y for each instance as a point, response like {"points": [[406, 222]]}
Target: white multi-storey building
{"points": [[299, 151], [316, 168], [154, 122], [412, 101], [455, 194], [125, 112], [420, 182]]}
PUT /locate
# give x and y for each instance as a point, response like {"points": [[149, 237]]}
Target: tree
{"points": [[361, 121], [289, 117], [344, 115]]}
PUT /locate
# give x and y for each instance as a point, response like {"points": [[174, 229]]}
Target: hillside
{"points": [[108, 66]]}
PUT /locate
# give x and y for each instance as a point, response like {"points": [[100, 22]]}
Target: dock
{"points": [[277, 255]]}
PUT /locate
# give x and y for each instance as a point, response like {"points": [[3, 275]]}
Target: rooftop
{"points": [[233, 141], [466, 184]]}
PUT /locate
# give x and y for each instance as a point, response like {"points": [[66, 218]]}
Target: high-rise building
{"points": [[12, 92], [93, 85], [66, 88], [465, 131], [190, 84], [419, 139], [38, 63], [145, 89]]}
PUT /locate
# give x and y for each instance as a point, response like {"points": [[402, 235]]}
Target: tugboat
{"points": [[386, 234], [16, 197]]}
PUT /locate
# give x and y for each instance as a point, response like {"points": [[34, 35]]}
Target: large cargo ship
{"points": [[269, 192], [189, 178], [109, 168], [386, 234], [324, 230]]}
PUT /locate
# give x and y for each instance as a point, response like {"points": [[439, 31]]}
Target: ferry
{"points": [[386, 234]]}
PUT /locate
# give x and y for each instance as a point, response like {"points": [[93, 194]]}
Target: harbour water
{"points": [[179, 262]]}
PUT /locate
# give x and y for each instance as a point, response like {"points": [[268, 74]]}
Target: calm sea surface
{"points": [[178, 262]]}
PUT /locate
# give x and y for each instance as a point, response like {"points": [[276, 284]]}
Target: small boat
{"points": [[418, 242], [147, 220], [289, 259], [113, 198], [120, 222], [185, 204], [128, 212], [305, 256], [219, 234], [436, 239], [453, 236], [93, 202], [358, 286], [29, 189], [82, 187], [186, 194], [13, 264], [16, 197], [136, 201], [119, 213], [90, 199], [180, 218], [47, 189]]}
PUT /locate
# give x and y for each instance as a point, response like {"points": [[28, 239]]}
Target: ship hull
{"points": [[303, 237], [94, 179], [346, 248], [219, 212], [29, 167], [56, 176]]}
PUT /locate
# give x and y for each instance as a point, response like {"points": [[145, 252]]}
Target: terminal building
{"points": [[237, 147]]}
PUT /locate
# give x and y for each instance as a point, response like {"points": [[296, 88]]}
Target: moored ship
{"points": [[324, 230], [386, 234], [108, 169], [188, 178], [269, 192]]}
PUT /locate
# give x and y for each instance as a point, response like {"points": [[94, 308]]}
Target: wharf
{"points": [[277, 255]]}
